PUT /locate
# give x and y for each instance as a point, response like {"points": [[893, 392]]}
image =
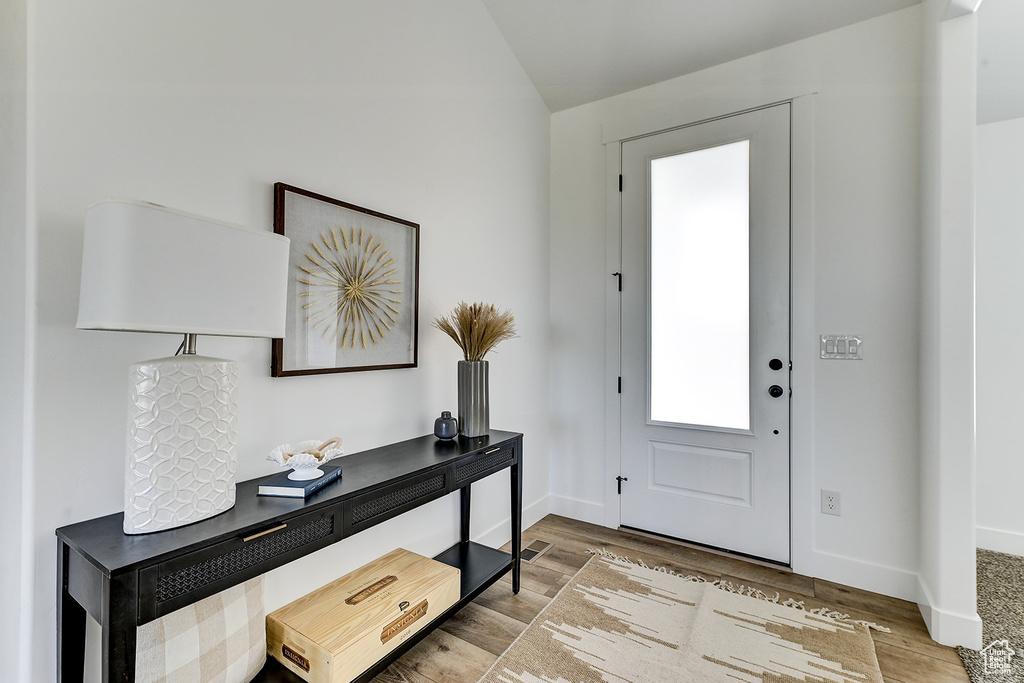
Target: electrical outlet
{"points": [[831, 503]]}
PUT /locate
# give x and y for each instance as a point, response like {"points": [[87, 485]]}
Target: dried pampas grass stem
{"points": [[477, 328]]}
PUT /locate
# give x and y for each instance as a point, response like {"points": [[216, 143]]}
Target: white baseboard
{"points": [[877, 578], [500, 534], [945, 627], [948, 628], [1000, 540], [892, 581], [582, 510]]}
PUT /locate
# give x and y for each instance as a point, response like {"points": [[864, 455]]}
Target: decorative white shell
{"points": [[282, 454], [303, 460]]}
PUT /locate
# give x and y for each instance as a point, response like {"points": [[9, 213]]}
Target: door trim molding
{"points": [[803, 340], [803, 344], [686, 113], [613, 336]]}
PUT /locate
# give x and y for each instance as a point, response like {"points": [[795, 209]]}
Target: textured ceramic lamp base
{"points": [[474, 411], [182, 442]]}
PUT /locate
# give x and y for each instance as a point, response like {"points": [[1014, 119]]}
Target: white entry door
{"points": [[705, 333]]}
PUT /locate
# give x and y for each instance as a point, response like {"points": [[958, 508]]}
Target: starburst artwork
{"points": [[353, 285]]}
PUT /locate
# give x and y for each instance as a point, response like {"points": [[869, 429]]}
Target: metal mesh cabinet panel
{"points": [[188, 579], [486, 462], [394, 500], [169, 585]]}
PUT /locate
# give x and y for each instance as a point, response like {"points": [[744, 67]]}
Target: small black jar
{"points": [[446, 426]]}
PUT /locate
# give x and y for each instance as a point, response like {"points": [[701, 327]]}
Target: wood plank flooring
{"points": [[464, 648]]}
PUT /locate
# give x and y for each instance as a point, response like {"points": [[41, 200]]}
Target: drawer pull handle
{"points": [[246, 539], [493, 450]]}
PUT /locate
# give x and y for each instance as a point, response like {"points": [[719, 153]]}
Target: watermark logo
{"points": [[997, 657]]}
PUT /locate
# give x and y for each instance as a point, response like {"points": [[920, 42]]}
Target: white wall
{"points": [[414, 109], [1000, 252], [858, 268], [16, 329]]}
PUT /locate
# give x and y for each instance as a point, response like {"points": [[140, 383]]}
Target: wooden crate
{"points": [[338, 631]]}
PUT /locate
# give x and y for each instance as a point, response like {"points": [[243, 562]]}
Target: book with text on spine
{"points": [[280, 485]]}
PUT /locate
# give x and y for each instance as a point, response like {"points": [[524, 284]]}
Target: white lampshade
{"points": [[147, 268]]}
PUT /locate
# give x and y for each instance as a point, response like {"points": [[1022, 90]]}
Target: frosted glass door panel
{"points": [[700, 287]]}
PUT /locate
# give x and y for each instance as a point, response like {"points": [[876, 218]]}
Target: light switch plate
{"points": [[842, 347]]}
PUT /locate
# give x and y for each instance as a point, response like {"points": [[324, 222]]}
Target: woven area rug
{"points": [[1001, 608], [620, 621]]}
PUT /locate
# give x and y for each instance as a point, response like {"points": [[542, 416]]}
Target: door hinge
{"points": [[620, 385], [619, 276], [620, 182], [619, 480]]}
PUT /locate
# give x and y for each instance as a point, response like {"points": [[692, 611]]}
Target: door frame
{"points": [[803, 340]]}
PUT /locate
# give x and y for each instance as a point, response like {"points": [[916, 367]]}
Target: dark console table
{"points": [[126, 581]]}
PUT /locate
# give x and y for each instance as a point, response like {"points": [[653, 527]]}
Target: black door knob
{"points": [[775, 364], [775, 391]]}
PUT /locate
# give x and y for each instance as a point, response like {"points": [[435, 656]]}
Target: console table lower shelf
{"points": [[480, 567]]}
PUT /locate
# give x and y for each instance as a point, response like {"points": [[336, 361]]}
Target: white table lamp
{"points": [[147, 268]]}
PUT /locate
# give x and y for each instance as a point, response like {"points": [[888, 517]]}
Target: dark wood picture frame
{"points": [[353, 287]]}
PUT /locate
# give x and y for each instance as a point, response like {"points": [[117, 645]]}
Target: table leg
{"points": [[516, 477], [464, 513], [70, 626], [119, 633]]}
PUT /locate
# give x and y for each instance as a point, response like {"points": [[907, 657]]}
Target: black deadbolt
{"points": [[775, 391], [775, 364]]}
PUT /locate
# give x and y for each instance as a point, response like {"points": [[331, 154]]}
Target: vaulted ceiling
{"points": [[1000, 60], [578, 51]]}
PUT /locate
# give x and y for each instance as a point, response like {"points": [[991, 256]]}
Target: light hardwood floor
{"points": [[464, 648]]}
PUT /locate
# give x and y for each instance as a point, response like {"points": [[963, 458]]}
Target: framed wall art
{"points": [[353, 286]]}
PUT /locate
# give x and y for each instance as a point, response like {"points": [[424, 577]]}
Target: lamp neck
{"points": [[188, 347]]}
